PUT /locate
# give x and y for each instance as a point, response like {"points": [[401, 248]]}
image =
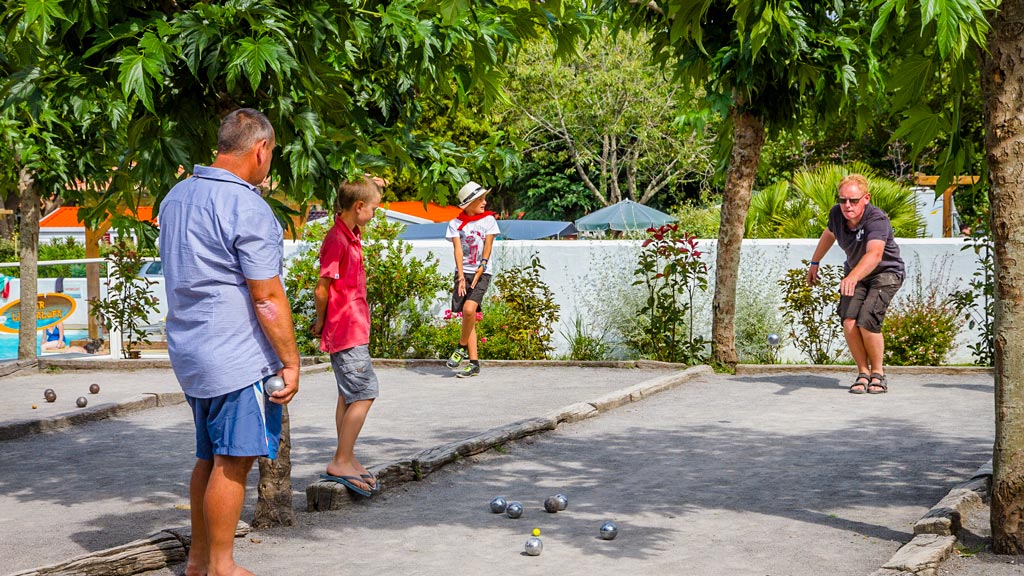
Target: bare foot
{"points": [[352, 469], [195, 568]]}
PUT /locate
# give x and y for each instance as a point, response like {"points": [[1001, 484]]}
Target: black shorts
{"points": [[474, 294], [870, 300]]}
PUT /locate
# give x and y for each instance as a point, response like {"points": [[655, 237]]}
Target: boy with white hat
{"points": [[472, 233]]}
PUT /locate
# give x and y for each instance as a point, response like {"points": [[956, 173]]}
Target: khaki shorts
{"points": [[870, 300], [354, 374]]}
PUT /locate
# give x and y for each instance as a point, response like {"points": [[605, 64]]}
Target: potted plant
{"points": [[129, 299]]}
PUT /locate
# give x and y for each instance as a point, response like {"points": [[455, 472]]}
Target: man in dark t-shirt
{"points": [[874, 273]]}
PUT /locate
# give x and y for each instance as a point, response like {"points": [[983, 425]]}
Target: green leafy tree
{"points": [[799, 207], [623, 127], [762, 66], [129, 300], [810, 311]]}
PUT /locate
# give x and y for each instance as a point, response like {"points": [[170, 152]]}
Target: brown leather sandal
{"points": [[880, 387], [859, 387]]}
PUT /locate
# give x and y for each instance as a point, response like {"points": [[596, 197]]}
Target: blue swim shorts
{"points": [[240, 423]]}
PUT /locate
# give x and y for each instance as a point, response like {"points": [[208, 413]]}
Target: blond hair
{"points": [[857, 179], [350, 192]]}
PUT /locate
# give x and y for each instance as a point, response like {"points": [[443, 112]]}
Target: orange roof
{"points": [[433, 212], [67, 217]]}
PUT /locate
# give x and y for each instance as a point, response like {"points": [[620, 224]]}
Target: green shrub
{"points": [[129, 300], [584, 344], [811, 312], [700, 221], [921, 328], [516, 322], [977, 304]]}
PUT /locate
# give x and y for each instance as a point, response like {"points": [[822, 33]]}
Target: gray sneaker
{"points": [[457, 357], [469, 371]]}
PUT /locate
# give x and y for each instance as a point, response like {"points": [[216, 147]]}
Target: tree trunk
{"points": [[92, 274], [1002, 82], [29, 255], [274, 500], [748, 139]]}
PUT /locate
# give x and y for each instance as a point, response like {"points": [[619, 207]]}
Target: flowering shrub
{"points": [[671, 272], [516, 322], [920, 329]]}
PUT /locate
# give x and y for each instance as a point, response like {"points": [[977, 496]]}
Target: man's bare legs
{"points": [[468, 337], [867, 348], [349, 419], [217, 491]]}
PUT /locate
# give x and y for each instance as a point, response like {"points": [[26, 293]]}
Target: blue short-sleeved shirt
{"points": [[216, 231]]}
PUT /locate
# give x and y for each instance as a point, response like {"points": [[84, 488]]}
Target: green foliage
{"points": [[531, 311], [757, 316], [399, 288], [671, 272], [516, 323], [799, 208], [617, 126], [129, 300], [921, 328], [702, 222], [810, 311], [977, 304], [584, 344]]}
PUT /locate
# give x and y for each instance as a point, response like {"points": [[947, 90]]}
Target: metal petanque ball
{"points": [[551, 504], [50, 395], [774, 339], [498, 505], [563, 501], [609, 531], [274, 384], [534, 546], [94, 389], [514, 510], [81, 402]]}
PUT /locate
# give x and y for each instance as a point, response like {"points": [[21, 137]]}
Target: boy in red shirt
{"points": [[343, 326]]}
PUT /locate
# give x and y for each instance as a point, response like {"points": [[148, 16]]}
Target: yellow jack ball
{"points": [[34, 406], [536, 531]]}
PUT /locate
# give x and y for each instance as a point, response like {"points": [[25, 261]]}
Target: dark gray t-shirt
{"points": [[874, 225]]}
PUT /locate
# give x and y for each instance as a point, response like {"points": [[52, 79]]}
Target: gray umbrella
{"points": [[624, 215]]}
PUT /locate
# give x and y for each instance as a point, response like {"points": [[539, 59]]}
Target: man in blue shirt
{"points": [[229, 327], [874, 272]]}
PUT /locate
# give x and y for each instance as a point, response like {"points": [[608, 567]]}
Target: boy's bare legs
{"points": [[349, 419], [217, 492], [468, 337]]}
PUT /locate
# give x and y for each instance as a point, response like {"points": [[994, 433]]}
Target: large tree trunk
{"points": [[274, 493], [748, 139], [1002, 81], [29, 254]]}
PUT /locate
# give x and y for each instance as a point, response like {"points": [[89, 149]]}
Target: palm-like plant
{"points": [[799, 208]]}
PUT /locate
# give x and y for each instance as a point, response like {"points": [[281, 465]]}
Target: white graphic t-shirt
{"points": [[473, 235]]}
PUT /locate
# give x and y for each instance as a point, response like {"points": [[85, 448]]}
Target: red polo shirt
{"points": [[348, 314]]}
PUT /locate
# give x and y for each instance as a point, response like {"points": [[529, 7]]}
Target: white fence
{"points": [[589, 277]]}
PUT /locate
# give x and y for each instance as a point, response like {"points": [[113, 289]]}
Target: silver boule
{"points": [[563, 501], [274, 384], [514, 510], [551, 504], [774, 339], [498, 505], [81, 402], [534, 546], [50, 395], [94, 389], [609, 531]]}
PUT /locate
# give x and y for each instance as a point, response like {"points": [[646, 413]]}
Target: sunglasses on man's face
{"points": [[850, 201]]}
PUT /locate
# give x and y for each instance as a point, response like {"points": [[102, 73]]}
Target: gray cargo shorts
{"points": [[354, 373], [870, 300]]}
